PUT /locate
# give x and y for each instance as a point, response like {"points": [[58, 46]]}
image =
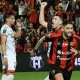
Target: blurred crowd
{"points": [[28, 12]]}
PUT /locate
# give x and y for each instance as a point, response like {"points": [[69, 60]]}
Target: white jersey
{"points": [[10, 43]]}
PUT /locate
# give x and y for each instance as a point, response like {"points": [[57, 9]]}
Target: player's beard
{"points": [[67, 35]]}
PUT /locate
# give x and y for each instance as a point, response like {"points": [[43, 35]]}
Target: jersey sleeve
{"points": [[54, 35], [78, 40], [4, 31]]}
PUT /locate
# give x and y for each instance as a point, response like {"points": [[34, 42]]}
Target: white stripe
{"points": [[47, 78]]}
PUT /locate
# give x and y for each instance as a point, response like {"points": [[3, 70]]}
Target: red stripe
{"points": [[63, 62], [54, 55], [75, 45], [56, 34], [72, 62], [9, 71], [3, 35], [49, 61]]}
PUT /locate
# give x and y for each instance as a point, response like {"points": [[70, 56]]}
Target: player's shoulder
{"points": [[4, 27], [60, 31], [55, 35], [76, 36]]}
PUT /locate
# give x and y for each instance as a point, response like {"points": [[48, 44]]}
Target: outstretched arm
{"points": [[33, 52], [39, 43], [41, 16]]}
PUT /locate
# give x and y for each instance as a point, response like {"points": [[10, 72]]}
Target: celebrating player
{"points": [[63, 52]]}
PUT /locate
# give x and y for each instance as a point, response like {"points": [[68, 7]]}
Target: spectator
{"points": [[59, 11], [21, 8], [33, 17], [28, 46], [1, 19], [63, 5], [51, 12], [77, 17]]}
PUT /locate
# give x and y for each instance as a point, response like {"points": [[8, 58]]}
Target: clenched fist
{"points": [[43, 4]]}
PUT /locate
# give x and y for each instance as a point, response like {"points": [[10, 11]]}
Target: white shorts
{"points": [[11, 63]]}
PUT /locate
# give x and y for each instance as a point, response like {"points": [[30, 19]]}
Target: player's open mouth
{"points": [[52, 24]]}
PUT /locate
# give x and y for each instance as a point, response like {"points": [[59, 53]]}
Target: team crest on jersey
{"points": [[4, 31], [36, 62]]}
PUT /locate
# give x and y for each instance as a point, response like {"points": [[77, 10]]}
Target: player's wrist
{"points": [[42, 8]]}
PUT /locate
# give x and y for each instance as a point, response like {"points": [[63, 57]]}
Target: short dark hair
{"points": [[65, 22], [7, 15], [61, 17]]}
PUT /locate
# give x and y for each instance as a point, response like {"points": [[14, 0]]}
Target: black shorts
{"points": [[56, 69]]}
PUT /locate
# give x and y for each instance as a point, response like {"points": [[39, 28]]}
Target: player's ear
{"points": [[60, 22], [7, 19]]}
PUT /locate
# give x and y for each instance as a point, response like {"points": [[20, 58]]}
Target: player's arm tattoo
{"points": [[39, 43]]}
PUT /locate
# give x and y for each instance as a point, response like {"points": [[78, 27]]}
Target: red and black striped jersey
{"points": [[50, 40], [61, 54]]}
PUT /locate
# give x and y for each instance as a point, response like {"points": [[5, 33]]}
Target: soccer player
{"points": [[8, 46], [55, 23], [64, 50]]}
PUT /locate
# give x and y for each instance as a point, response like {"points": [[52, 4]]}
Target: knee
{"points": [[59, 76]]}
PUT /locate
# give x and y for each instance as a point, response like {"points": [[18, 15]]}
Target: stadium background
{"points": [[36, 68]]}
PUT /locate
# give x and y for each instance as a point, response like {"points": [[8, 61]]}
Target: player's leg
{"points": [[7, 75], [10, 69], [4, 77], [58, 76], [55, 73], [67, 75]]}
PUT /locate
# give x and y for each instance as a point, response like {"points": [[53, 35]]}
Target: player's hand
{"points": [[43, 4], [5, 61], [74, 50], [32, 53], [18, 23]]}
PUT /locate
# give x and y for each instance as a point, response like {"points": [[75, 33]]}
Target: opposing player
{"points": [[8, 46]]}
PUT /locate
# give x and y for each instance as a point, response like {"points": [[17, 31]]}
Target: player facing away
{"points": [[8, 46]]}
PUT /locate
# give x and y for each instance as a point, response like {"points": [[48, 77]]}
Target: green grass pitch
{"points": [[39, 75]]}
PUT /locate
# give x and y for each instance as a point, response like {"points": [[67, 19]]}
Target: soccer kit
{"points": [[61, 58], [57, 58], [51, 40], [10, 49]]}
